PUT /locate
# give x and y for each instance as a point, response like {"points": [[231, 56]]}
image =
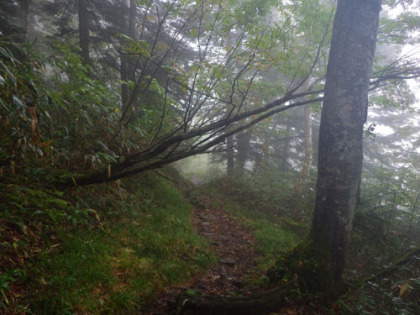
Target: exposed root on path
{"points": [[260, 303]]}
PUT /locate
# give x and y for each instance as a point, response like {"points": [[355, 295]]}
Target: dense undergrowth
{"points": [[108, 248]]}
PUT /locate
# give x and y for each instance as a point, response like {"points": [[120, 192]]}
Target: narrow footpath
{"points": [[232, 243]]}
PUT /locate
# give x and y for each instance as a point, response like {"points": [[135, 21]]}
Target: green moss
{"points": [[140, 241]]}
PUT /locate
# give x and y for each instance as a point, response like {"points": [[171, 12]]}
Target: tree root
{"points": [[262, 303]]}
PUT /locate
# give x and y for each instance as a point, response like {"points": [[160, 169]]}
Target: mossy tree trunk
{"points": [[320, 260]]}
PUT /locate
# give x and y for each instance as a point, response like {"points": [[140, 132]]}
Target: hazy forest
{"points": [[210, 157]]}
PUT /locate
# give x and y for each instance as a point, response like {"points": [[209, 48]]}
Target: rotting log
{"points": [[261, 303]]}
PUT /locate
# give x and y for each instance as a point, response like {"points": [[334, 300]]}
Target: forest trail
{"points": [[233, 246]]}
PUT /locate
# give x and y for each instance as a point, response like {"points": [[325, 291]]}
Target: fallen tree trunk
{"points": [[262, 303]]}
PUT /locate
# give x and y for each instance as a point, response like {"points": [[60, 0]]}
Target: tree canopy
{"points": [[166, 80]]}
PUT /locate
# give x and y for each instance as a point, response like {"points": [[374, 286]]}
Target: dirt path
{"points": [[232, 244]]}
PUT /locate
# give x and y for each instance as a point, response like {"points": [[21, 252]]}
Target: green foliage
{"points": [[396, 95], [23, 204], [29, 218], [142, 242], [6, 278], [386, 229], [401, 29], [87, 109], [42, 126], [21, 90]]}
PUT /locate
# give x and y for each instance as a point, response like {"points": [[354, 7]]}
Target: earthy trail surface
{"points": [[232, 243]]}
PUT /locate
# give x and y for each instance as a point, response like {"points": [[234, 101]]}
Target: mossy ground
{"points": [[113, 248], [134, 240]]}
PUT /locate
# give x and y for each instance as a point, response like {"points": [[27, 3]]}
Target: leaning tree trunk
{"points": [[320, 260]]}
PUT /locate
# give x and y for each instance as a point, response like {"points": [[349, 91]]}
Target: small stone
{"points": [[208, 217], [205, 223]]}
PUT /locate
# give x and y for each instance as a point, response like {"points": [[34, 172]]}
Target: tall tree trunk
{"points": [[340, 139], [132, 19], [230, 156], [286, 146], [26, 6], [128, 28], [131, 62], [307, 142], [124, 29], [244, 139], [320, 260], [307, 151], [83, 16]]}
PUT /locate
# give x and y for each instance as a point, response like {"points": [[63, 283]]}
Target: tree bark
{"points": [[26, 6], [340, 145], [230, 156], [124, 29], [307, 142], [132, 19], [128, 28], [320, 260], [83, 16], [243, 144], [262, 303], [284, 166]]}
